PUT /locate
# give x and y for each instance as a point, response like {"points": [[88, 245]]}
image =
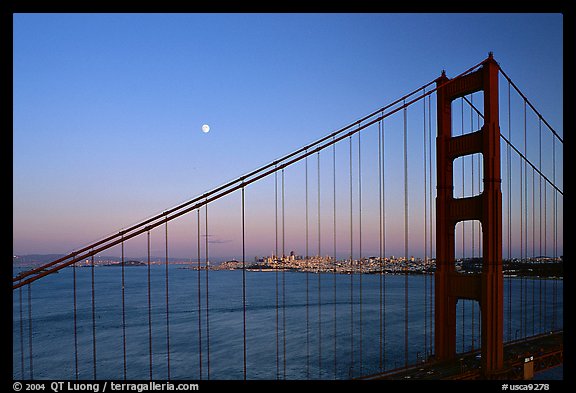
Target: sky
{"points": [[108, 110]]}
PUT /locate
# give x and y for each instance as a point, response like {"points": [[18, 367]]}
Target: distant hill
{"points": [[41, 259], [34, 260]]}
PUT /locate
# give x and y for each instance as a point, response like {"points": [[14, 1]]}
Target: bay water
{"points": [[293, 325]]}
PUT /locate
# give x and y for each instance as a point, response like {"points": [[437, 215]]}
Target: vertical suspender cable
{"points": [[149, 306], [123, 311], [524, 275], [276, 273], [199, 285], [522, 311], [406, 258], [431, 297], [360, 243], [555, 282], [533, 250], [307, 272], [283, 281], [540, 219], [425, 229], [30, 331], [334, 252], [405, 237], [351, 271], [509, 180], [207, 267], [244, 280], [473, 224], [463, 230], [546, 255], [21, 334], [167, 302], [75, 320], [383, 275], [93, 318], [320, 263], [380, 312]]}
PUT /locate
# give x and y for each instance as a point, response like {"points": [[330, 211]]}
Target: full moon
{"points": [[205, 128]]}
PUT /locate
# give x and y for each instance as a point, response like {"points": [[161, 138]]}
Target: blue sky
{"points": [[108, 108]]}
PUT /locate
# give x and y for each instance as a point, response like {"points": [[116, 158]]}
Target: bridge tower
{"points": [[486, 287]]}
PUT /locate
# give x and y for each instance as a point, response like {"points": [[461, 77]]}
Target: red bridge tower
{"points": [[486, 287]]}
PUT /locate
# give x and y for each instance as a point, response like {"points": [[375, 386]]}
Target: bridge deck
{"points": [[546, 352]]}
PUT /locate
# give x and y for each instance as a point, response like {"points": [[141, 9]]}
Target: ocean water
{"points": [[294, 325]]}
